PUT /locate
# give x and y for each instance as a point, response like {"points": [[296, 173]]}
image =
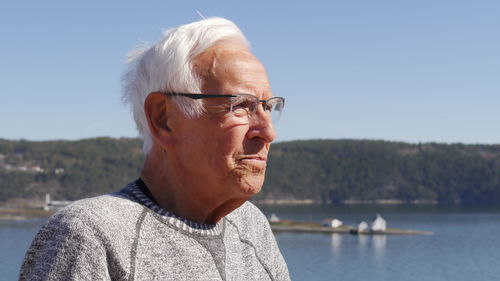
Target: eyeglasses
{"points": [[243, 105]]}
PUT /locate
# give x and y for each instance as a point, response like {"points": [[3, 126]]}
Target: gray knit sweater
{"points": [[126, 236]]}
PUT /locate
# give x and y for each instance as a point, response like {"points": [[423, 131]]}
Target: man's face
{"points": [[227, 155]]}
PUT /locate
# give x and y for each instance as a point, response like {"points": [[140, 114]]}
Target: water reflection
{"points": [[336, 243], [372, 245], [379, 242], [362, 241]]}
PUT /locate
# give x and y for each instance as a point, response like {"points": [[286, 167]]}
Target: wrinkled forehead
{"points": [[230, 65]]}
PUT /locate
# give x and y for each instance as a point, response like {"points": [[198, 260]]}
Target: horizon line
{"points": [[279, 141]]}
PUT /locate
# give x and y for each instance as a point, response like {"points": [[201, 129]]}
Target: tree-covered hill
{"points": [[67, 169], [322, 170], [340, 170]]}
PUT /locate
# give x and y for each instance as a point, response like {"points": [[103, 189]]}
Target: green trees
{"points": [[71, 169], [322, 170], [363, 170]]}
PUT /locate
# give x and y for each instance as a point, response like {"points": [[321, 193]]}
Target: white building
{"points": [[378, 224], [332, 223], [274, 218], [362, 226]]}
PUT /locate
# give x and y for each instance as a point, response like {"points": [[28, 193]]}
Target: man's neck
{"points": [[184, 196]]}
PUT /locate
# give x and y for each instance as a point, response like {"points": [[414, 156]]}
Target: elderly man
{"points": [[203, 105]]}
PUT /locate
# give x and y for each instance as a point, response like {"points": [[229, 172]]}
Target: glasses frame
{"points": [[209, 96]]}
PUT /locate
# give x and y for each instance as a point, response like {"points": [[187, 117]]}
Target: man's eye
{"points": [[242, 106], [268, 107]]}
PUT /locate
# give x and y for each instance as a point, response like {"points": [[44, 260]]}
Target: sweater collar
{"points": [[141, 194]]}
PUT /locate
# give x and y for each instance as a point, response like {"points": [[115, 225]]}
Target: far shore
{"points": [[344, 202], [9, 212], [23, 213]]}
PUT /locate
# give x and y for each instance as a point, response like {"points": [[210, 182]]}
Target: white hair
{"points": [[167, 67]]}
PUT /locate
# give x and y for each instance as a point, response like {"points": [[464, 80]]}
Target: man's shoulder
{"points": [[100, 211], [104, 203], [74, 243], [249, 219], [247, 211]]}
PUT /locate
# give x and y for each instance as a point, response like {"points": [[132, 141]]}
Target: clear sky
{"points": [[415, 71]]}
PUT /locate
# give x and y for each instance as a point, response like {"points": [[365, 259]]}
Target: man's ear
{"points": [[157, 112]]}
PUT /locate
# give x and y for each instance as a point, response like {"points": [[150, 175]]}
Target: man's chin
{"points": [[251, 186]]}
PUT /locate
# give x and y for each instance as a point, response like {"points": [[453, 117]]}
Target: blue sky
{"points": [[416, 71]]}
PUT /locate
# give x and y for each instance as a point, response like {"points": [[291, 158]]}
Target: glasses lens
{"points": [[275, 106], [243, 105]]}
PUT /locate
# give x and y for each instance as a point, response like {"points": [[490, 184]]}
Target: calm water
{"points": [[465, 244], [15, 238]]}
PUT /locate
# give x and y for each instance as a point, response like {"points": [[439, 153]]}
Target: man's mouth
{"points": [[254, 158], [255, 161]]}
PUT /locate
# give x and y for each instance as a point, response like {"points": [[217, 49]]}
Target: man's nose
{"points": [[261, 126]]}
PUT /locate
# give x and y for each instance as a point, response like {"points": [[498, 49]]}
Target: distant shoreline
{"points": [[23, 213], [345, 202], [20, 213]]}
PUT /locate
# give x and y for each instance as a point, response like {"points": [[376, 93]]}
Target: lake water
{"points": [[465, 244]]}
